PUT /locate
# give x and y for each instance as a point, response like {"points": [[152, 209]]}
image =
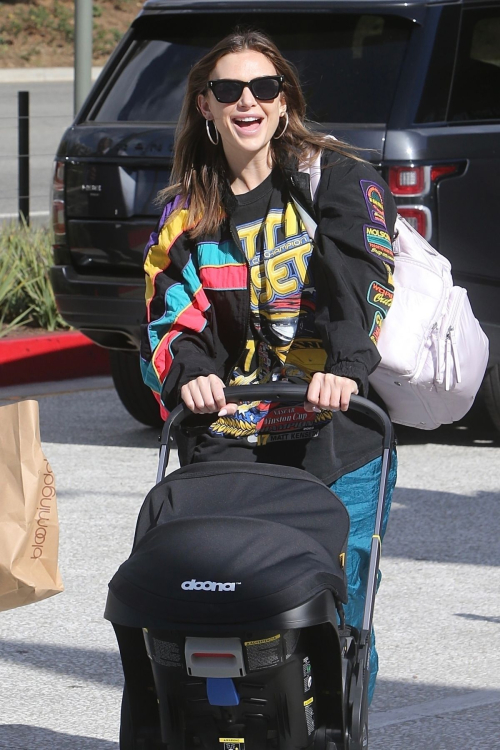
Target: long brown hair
{"points": [[200, 169]]}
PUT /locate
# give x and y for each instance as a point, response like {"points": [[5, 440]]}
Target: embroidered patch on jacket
{"points": [[246, 421], [374, 197], [390, 278], [379, 296], [378, 243], [376, 327]]}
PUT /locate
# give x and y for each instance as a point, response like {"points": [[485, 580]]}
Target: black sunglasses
{"points": [[227, 90]]}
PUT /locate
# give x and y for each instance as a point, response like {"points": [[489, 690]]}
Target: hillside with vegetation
{"points": [[40, 33]]}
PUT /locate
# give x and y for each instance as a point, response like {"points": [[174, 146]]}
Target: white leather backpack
{"points": [[434, 352]]}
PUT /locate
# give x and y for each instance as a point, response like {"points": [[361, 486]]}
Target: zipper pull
{"points": [[395, 243], [453, 343], [447, 363], [439, 363]]}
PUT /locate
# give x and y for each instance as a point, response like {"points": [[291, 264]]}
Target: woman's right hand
{"points": [[205, 395]]}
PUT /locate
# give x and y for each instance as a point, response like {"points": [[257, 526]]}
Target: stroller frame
{"points": [[318, 611]]}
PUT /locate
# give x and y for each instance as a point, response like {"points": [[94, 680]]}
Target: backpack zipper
{"points": [[452, 361], [452, 355], [435, 336]]}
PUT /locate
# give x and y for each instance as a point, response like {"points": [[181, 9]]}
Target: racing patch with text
{"points": [[232, 743], [379, 296], [376, 327], [269, 420], [374, 198], [280, 437], [390, 277], [378, 243]]}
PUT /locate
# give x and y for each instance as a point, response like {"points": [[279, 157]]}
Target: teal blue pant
{"points": [[358, 490]]}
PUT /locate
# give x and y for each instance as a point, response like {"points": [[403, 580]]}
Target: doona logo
{"points": [[194, 585]]}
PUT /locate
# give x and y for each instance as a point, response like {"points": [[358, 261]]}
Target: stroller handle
{"points": [[275, 392]]}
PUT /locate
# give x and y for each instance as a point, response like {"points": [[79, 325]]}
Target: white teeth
{"points": [[246, 119]]}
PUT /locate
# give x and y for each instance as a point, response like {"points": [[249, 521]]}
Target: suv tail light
{"points": [[443, 170], [408, 180], [58, 212], [413, 181], [418, 181], [419, 217]]}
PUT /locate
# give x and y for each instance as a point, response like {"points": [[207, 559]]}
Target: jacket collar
{"points": [[298, 182]]}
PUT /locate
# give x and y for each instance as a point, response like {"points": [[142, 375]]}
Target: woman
{"points": [[236, 293]]}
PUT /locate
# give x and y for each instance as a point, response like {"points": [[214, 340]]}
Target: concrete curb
{"points": [[41, 75], [50, 356]]}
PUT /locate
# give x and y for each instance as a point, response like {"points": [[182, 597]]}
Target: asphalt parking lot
{"points": [[437, 614]]}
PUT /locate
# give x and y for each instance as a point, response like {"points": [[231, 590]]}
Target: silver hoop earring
{"points": [[277, 137], [216, 141]]}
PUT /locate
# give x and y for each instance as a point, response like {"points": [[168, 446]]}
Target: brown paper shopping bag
{"points": [[29, 529]]}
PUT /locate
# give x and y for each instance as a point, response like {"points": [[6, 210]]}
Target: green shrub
{"points": [[26, 296], [9, 287]]}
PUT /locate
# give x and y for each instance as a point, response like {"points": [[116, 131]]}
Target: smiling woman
{"points": [[239, 293], [245, 121]]}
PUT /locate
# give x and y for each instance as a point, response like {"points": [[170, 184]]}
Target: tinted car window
{"points": [[434, 100], [335, 55], [476, 87]]}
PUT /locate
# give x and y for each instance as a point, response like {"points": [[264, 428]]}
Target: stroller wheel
{"points": [[357, 709], [362, 744], [323, 741], [364, 737], [148, 737]]}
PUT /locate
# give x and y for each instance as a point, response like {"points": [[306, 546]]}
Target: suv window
{"points": [[335, 54], [476, 86], [434, 100]]}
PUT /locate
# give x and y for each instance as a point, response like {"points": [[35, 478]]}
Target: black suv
{"points": [[415, 83]]}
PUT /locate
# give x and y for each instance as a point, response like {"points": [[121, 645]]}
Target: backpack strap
{"points": [[314, 172], [307, 220], [315, 175]]}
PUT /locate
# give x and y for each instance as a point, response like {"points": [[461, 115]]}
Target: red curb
{"points": [[50, 356]]}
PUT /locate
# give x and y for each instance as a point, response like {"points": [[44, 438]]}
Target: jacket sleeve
{"points": [[353, 265], [177, 343]]}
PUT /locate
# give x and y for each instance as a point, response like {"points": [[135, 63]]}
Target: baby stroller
{"points": [[228, 612]]}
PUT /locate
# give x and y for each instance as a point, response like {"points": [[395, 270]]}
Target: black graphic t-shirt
{"points": [[278, 249], [283, 343], [282, 339]]}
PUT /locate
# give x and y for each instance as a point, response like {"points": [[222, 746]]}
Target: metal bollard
{"points": [[23, 100]]}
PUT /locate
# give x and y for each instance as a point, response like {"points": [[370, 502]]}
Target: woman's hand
{"points": [[327, 391], [205, 395]]}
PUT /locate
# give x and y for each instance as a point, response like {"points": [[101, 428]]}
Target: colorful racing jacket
{"points": [[197, 290]]}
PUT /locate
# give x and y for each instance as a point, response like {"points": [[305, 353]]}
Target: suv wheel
{"points": [[490, 392], [134, 394]]}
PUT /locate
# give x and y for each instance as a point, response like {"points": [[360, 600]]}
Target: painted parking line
{"points": [[479, 698]]}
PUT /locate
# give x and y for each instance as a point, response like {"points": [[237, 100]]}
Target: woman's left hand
{"points": [[331, 392]]}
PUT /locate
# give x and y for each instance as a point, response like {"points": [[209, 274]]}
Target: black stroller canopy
{"points": [[225, 542]]}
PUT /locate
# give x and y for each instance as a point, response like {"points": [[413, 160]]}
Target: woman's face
{"points": [[247, 125]]}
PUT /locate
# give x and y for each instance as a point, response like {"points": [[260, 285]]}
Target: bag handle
{"points": [[314, 172]]}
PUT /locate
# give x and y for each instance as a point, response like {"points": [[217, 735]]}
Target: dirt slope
{"points": [[39, 33]]}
